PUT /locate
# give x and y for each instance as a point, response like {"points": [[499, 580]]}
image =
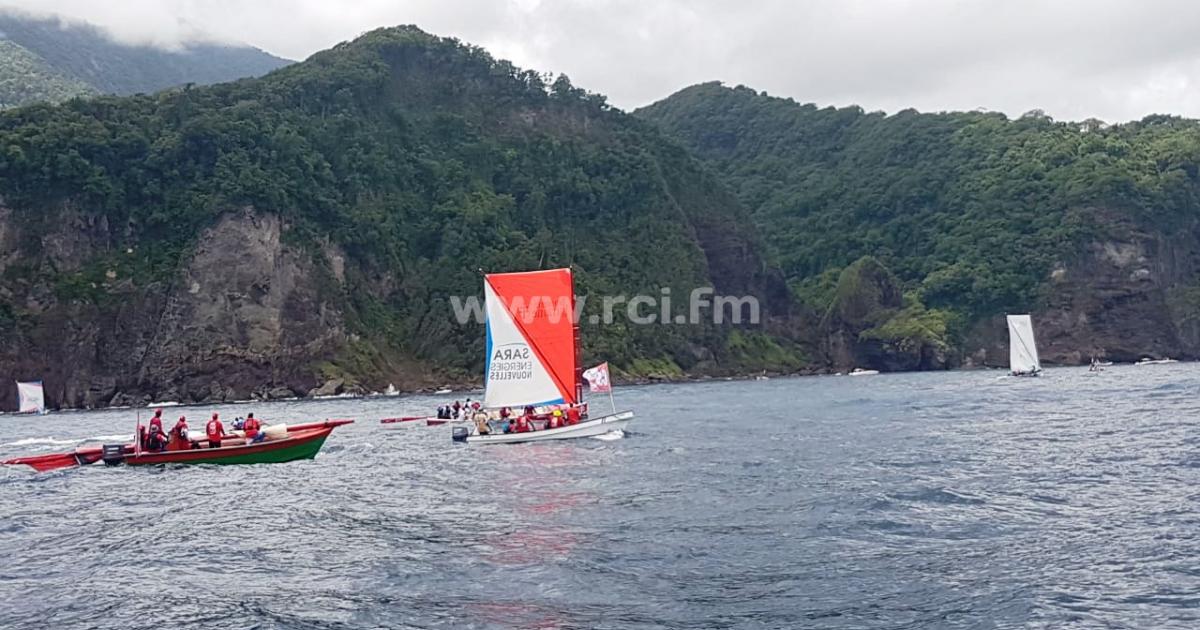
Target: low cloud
{"points": [[1072, 58]]}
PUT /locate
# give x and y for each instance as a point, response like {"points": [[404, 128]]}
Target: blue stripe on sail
{"points": [[487, 364]]}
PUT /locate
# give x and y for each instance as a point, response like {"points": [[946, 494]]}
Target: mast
{"points": [[578, 347]]}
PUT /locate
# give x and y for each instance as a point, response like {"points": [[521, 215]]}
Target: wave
{"points": [[109, 438], [33, 441]]}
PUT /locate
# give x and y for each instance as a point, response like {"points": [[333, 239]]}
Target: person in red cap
{"points": [[156, 438], [214, 430], [179, 436], [252, 429]]}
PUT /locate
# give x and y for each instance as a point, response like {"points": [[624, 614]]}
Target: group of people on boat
{"points": [[457, 411], [153, 438], [528, 421]]}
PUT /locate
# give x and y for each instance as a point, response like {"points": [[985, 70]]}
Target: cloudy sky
{"points": [[1072, 58]]}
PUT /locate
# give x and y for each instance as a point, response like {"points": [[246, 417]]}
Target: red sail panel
{"points": [[542, 305]]}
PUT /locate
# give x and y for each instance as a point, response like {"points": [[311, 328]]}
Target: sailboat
{"points": [[1022, 350], [533, 351], [32, 399]]}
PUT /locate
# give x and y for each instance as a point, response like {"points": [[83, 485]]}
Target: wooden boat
{"points": [[533, 359], [299, 442]]}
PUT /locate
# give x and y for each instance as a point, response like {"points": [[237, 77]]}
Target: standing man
{"points": [[156, 439], [215, 431], [251, 428]]}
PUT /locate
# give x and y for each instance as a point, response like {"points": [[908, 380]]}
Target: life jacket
{"points": [[214, 429], [573, 415], [251, 428], [156, 423]]}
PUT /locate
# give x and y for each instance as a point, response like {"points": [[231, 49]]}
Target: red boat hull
{"points": [[302, 442]]}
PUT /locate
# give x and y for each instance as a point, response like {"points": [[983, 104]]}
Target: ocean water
{"points": [[935, 500]]}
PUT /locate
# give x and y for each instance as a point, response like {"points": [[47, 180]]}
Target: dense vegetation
{"points": [[970, 210], [43, 60], [424, 160]]}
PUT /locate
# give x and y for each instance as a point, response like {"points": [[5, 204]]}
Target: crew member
{"points": [[556, 419], [573, 414], [156, 439], [481, 421], [214, 430], [179, 436], [252, 429]]}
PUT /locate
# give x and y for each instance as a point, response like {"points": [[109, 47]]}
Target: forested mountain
{"points": [[43, 59], [964, 216], [307, 229]]}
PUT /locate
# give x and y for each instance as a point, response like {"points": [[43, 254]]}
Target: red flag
{"points": [[597, 378]]}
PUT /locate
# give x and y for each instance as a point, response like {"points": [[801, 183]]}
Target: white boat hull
{"points": [[591, 428]]}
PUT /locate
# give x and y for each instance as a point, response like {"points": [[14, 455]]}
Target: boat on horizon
{"points": [[31, 398], [533, 359], [1022, 348], [283, 444], [862, 372], [1149, 361]]}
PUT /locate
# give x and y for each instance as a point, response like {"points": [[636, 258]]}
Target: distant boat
{"points": [[1022, 349], [1149, 361], [444, 391], [32, 399], [167, 403], [862, 372], [391, 390]]}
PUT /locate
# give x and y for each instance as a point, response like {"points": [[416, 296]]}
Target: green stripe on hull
{"points": [[306, 450]]}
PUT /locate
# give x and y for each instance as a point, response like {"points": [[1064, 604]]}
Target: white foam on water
{"points": [[109, 438], [32, 441], [610, 436]]}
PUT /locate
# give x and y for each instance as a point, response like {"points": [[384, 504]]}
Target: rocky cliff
{"points": [[1131, 294], [305, 232]]}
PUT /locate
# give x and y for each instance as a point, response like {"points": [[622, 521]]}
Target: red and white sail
{"points": [[531, 339]]}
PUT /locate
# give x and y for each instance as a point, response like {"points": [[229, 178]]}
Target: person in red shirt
{"points": [[573, 414], [156, 438], [179, 436], [214, 430], [252, 429]]}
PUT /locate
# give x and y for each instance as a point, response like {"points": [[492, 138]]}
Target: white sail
{"points": [[31, 398], [1022, 350], [514, 375]]}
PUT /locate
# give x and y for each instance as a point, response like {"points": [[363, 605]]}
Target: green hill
{"points": [[1093, 227], [308, 229], [46, 60]]}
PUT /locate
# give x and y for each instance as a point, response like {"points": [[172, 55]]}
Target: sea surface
{"points": [[935, 500]]}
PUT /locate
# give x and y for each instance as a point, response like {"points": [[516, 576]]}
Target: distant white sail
{"points": [[32, 399], [1022, 349]]}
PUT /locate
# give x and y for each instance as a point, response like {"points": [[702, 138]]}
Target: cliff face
{"points": [[245, 317], [305, 232], [1121, 298]]}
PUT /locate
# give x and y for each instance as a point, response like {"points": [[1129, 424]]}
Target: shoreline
{"points": [[462, 388]]}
